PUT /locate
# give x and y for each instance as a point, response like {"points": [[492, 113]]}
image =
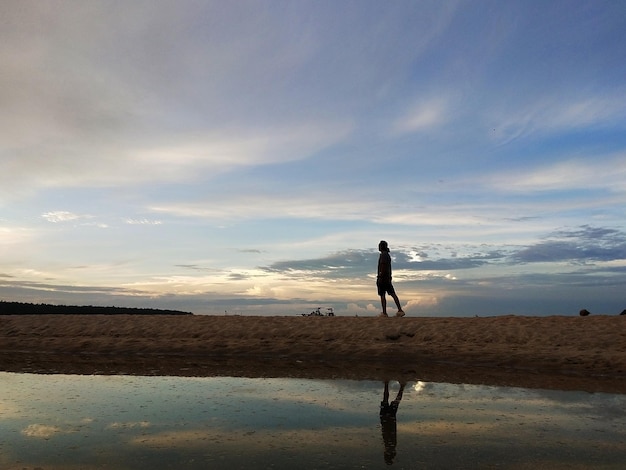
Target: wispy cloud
{"points": [[561, 114], [423, 117], [178, 159], [592, 172], [61, 216]]}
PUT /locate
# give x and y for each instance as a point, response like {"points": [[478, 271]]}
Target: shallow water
{"points": [[56, 422]]}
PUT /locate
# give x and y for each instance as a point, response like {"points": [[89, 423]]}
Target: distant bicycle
{"points": [[318, 313]]}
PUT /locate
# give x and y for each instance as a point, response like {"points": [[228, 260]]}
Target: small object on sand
{"points": [[584, 312], [318, 313], [623, 312]]}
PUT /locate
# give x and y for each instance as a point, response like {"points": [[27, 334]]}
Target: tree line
{"points": [[22, 308]]}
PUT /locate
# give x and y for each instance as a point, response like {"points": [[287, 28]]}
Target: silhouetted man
{"points": [[383, 280], [388, 422]]}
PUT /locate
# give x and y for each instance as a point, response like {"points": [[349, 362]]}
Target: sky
{"points": [[247, 157]]}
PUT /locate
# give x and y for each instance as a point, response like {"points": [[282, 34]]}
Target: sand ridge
{"points": [[590, 349]]}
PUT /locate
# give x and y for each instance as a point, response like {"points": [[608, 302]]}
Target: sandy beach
{"points": [[582, 353]]}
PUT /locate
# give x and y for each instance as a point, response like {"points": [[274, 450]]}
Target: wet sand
{"points": [[557, 352]]}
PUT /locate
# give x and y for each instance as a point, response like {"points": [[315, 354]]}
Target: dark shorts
{"points": [[388, 410], [385, 286]]}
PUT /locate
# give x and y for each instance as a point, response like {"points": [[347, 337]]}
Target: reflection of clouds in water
{"points": [[419, 386], [9, 409], [129, 425], [46, 431], [603, 405], [461, 429], [609, 406], [235, 420], [469, 417], [463, 393], [473, 416], [535, 404], [230, 440], [324, 394], [41, 431]]}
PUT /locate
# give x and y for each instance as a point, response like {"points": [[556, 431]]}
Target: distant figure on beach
{"points": [[388, 422], [383, 280]]}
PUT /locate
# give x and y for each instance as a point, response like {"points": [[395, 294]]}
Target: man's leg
{"points": [[397, 301], [383, 303], [399, 395]]}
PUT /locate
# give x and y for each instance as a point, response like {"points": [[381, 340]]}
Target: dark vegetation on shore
{"points": [[21, 308]]}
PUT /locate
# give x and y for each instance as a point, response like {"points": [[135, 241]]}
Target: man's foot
{"points": [[383, 314], [400, 313]]}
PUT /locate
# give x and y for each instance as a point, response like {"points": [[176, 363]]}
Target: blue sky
{"points": [[248, 156]]}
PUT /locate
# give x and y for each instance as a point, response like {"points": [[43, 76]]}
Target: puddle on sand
{"points": [[56, 422]]}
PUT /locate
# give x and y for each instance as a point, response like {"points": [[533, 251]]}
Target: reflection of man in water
{"points": [[388, 422]]}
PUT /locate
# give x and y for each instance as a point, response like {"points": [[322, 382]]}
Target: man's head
{"points": [[382, 246]]}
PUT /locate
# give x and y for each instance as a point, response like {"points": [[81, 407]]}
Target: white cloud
{"points": [[357, 309], [143, 222], [60, 216], [420, 302]]}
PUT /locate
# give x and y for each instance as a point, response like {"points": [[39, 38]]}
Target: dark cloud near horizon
{"points": [[405, 260], [359, 262], [238, 277], [340, 264], [579, 284], [198, 267], [582, 245]]}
